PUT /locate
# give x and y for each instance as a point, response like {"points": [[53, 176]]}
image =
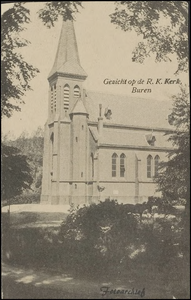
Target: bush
{"points": [[99, 237], [25, 198], [114, 237]]}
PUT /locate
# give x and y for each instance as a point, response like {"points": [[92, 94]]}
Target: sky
{"points": [[105, 52]]}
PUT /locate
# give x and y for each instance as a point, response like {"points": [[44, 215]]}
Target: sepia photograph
{"points": [[95, 116]]}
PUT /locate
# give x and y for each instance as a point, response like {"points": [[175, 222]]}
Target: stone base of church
{"points": [[45, 199], [79, 200]]}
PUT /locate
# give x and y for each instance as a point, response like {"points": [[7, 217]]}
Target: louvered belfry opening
{"points": [[66, 97]]}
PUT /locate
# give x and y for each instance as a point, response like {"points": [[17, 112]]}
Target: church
{"points": [[98, 145]]}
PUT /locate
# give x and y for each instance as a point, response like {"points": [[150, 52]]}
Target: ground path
{"points": [[28, 283], [20, 283]]}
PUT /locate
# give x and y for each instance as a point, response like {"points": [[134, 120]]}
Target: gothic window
{"points": [[76, 91], [149, 166], [52, 148], [114, 165], [157, 159], [54, 97], [92, 163], [52, 100], [66, 96], [122, 165]]}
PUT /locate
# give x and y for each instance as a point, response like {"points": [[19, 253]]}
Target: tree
{"points": [[16, 72], [16, 172], [31, 146], [163, 26], [174, 177], [53, 9]]}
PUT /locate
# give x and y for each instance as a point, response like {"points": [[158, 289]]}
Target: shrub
{"points": [[25, 198], [99, 236]]}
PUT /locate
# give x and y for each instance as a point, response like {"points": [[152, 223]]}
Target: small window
{"points": [[82, 174], [82, 127], [76, 139], [114, 165], [75, 186], [76, 91], [149, 166]]}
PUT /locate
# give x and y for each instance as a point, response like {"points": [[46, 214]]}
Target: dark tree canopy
{"points": [[30, 146], [16, 172], [174, 177], [163, 26], [15, 71], [53, 9]]}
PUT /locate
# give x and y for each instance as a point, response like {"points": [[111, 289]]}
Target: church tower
{"points": [[65, 139]]}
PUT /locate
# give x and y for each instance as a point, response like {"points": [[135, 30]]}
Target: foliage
{"points": [[173, 178], [27, 197], [32, 148], [53, 9], [111, 237], [16, 73], [163, 26], [16, 172], [113, 245], [96, 235]]}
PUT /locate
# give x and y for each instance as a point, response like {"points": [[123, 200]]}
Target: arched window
{"points": [[114, 165], [92, 164], [149, 166], [122, 165], [66, 97], [76, 91], [52, 148], [157, 159], [55, 97]]}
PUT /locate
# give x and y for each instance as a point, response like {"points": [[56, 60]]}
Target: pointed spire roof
{"points": [[79, 108], [67, 58]]}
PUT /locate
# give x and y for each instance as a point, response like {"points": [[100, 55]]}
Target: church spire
{"points": [[67, 60]]}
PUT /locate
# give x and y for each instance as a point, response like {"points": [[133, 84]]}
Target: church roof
{"points": [[129, 111], [134, 138], [67, 58]]}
